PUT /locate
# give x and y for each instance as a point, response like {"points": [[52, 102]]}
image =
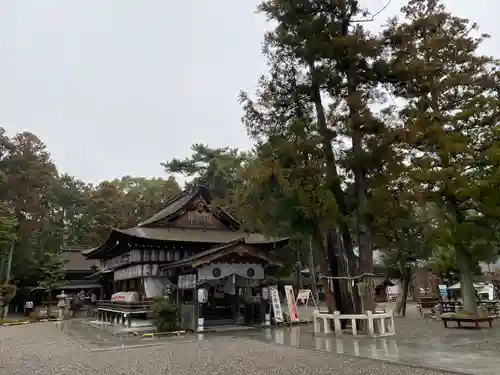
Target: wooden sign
{"points": [[290, 301], [276, 304], [304, 295]]}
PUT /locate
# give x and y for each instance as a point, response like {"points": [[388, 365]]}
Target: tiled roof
{"points": [[173, 206], [76, 261], [150, 229], [182, 200], [214, 236]]}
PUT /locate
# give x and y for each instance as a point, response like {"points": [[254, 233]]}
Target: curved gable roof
{"points": [[178, 203]]}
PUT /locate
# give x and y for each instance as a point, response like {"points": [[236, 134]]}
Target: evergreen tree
{"points": [[450, 125], [325, 70]]}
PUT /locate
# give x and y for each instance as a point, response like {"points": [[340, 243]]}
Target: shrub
{"points": [[165, 315]]}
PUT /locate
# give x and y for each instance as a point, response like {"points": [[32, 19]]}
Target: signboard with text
{"points": [[276, 304], [290, 301], [443, 290], [304, 295]]}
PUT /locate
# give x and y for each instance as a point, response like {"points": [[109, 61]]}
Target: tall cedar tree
{"points": [[450, 118], [285, 179], [333, 59]]}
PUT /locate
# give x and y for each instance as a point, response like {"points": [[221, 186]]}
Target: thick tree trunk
{"points": [[406, 287], [467, 280], [401, 268], [339, 267], [325, 271], [364, 234], [298, 270], [463, 256], [333, 177]]}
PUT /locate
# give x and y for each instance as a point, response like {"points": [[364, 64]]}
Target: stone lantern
{"points": [[61, 304]]}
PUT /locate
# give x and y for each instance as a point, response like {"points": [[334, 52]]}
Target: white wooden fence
{"points": [[378, 324]]}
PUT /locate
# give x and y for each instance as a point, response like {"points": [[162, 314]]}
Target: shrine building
{"points": [[197, 253]]}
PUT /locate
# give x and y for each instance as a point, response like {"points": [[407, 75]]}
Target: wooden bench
{"points": [[377, 320], [464, 319]]}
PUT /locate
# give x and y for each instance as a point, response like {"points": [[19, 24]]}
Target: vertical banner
{"points": [[290, 301], [275, 301]]}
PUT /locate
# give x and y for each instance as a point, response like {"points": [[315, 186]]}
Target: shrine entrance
{"points": [[225, 287], [231, 300]]}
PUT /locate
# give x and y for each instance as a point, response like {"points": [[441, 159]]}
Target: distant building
{"points": [[78, 271]]}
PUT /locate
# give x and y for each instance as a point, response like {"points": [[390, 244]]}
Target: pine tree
{"points": [[450, 124], [322, 58]]}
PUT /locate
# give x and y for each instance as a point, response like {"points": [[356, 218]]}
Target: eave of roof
{"points": [[215, 236], [197, 259]]}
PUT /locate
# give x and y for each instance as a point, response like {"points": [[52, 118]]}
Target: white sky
{"points": [[115, 87]]}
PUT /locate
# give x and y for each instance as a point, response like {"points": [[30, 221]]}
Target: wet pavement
{"points": [[443, 355], [456, 352], [71, 347], [95, 339]]}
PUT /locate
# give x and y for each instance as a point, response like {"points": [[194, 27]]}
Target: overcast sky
{"points": [[114, 87]]}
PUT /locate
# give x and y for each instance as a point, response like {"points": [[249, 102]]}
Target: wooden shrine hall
{"points": [[200, 251]]}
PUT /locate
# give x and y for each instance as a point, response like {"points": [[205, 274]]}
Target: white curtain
{"points": [[154, 286]]}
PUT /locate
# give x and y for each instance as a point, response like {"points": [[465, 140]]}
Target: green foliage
{"points": [[165, 315], [215, 168], [450, 126], [8, 225], [41, 210], [391, 139], [52, 271], [8, 291]]}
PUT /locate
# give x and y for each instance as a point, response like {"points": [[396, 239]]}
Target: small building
{"points": [[78, 278], [79, 271], [189, 246]]}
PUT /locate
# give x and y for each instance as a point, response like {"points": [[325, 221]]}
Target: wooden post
{"points": [[337, 323], [371, 330], [316, 322]]}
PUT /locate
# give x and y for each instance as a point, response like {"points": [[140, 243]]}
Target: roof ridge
{"points": [[161, 214], [176, 197]]}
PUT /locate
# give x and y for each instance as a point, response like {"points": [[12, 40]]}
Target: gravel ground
{"points": [[43, 349]]}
